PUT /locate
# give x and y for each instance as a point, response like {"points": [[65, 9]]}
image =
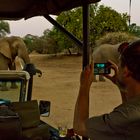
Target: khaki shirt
{"points": [[123, 123]]}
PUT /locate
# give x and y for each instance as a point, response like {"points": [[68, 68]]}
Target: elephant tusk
{"points": [[21, 62], [21, 65]]}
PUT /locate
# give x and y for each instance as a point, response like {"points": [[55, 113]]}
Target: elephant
{"points": [[10, 47], [105, 52]]}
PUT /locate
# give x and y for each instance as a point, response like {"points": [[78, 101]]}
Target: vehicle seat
{"points": [[32, 127]]}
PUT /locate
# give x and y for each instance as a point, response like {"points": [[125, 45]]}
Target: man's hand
{"points": [[113, 78], [87, 75]]}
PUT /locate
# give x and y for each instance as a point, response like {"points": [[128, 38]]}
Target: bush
{"points": [[115, 38]]}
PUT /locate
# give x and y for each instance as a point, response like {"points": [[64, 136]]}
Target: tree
{"points": [[134, 29], [106, 20], [46, 33], [53, 41], [72, 21], [4, 28], [35, 43], [102, 20], [40, 45], [28, 39]]}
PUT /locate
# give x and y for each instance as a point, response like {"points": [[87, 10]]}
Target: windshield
{"points": [[10, 90], [13, 85]]}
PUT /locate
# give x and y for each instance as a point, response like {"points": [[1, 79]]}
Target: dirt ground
{"points": [[60, 84]]}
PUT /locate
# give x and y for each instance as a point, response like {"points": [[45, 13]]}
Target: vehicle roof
{"points": [[17, 9]]}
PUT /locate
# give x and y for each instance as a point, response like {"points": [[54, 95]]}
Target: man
{"points": [[123, 123]]}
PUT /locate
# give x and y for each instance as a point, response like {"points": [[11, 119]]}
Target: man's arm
{"points": [[81, 113]]}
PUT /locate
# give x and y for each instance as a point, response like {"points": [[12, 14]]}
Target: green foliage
{"points": [[40, 45], [35, 43], [102, 20], [71, 21], [106, 20], [28, 39], [53, 46], [115, 38], [46, 34], [134, 29], [4, 28]]}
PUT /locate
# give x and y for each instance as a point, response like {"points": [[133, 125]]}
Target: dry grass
{"points": [[60, 83]]}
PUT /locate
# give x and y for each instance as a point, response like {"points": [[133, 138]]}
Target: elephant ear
{"points": [[5, 49]]}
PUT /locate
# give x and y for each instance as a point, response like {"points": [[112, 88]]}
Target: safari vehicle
{"points": [[15, 10], [24, 120]]}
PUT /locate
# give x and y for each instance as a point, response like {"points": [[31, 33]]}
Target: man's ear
{"points": [[126, 72], [122, 47]]}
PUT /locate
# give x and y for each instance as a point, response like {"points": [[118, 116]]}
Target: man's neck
{"points": [[133, 89]]}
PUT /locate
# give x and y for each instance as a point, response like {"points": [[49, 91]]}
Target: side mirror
{"points": [[44, 107]]}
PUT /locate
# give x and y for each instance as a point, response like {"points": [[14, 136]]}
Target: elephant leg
{"points": [[13, 67], [3, 66], [3, 87], [101, 78], [13, 85]]}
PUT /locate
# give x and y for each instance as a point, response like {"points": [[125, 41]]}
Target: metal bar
{"points": [[129, 13], [30, 86], [22, 91], [55, 23], [85, 39], [32, 71], [85, 34]]}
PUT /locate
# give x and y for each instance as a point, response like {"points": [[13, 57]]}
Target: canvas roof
{"points": [[17, 9]]}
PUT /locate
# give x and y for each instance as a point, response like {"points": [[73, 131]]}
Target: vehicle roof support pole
{"points": [[85, 34], [56, 24], [85, 39]]}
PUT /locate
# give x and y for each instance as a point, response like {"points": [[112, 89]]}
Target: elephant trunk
{"points": [[26, 58], [23, 53]]}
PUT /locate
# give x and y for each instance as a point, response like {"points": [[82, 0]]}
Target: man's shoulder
{"points": [[132, 103], [130, 110]]}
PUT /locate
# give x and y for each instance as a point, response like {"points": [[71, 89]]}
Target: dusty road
{"points": [[60, 83]]}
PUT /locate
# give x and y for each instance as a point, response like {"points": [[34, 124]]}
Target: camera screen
{"points": [[101, 68]]}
